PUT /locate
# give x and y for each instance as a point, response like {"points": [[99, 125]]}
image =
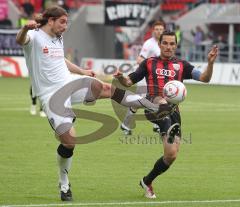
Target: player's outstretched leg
{"points": [[130, 99]]}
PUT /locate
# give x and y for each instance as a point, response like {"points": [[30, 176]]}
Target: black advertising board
{"points": [[119, 13]]}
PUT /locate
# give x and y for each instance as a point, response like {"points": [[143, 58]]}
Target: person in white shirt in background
{"points": [[33, 107], [149, 49]]}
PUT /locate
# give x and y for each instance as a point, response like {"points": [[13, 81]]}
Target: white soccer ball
{"points": [[174, 92]]}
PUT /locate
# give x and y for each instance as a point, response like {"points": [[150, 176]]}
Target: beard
{"points": [[58, 34]]}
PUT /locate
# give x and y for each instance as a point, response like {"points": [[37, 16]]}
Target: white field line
{"points": [[127, 203], [187, 109]]}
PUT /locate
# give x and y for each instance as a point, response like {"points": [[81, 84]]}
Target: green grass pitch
{"points": [[107, 172]]}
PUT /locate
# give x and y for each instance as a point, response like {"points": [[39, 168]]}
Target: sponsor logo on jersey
{"points": [[56, 52], [164, 72], [176, 67], [45, 50]]}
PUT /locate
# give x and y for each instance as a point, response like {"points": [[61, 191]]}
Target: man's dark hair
{"points": [[54, 12], [168, 33]]}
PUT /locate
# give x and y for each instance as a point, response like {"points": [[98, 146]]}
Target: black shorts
{"points": [[165, 123]]}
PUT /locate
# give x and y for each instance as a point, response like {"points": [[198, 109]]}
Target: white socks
{"points": [[136, 101], [129, 119], [64, 167]]}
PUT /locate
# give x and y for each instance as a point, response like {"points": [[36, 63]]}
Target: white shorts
{"points": [[141, 88], [57, 105]]}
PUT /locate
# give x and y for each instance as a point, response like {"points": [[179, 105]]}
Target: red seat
{"points": [[76, 4], [180, 1], [173, 6], [218, 1]]}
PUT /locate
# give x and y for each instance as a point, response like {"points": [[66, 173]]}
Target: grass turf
{"points": [[109, 170]]}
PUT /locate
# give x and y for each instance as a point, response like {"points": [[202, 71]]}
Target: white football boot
{"points": [[148, 190]]}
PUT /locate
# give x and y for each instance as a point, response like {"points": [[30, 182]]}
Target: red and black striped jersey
{"points": [[158, 72]]}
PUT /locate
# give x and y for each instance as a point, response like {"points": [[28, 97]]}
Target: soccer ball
{"points": [[174, 92]]}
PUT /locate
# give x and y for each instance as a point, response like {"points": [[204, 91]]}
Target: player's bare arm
{"points": [[125, 81], [22, 38], [77, 70], [207, 74]]}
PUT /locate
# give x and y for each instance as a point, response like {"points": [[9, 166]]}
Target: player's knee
{"points": [[65, 151], [69, 146], [96, 88], [68, 138], [117, 94]]}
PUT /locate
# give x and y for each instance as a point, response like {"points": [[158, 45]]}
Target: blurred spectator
{"points": [[237, 42], [28, 8], [22, 20], [208, 41], [178, 33], [27, 11], [210, 33], [223, 48], [198, 36]]}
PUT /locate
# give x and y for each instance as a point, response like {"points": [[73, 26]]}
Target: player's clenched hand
{"points": [[118, 74], [212, 55], [89, 73], [31, 24]]}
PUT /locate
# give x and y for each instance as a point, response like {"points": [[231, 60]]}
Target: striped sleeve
{"points": [[140, 73], [187, 70]]}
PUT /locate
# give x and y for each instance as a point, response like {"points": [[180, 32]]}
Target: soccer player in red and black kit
{"points": [[158, 71]]}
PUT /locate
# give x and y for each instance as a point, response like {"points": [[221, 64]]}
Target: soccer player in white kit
{"points": [[49, 72], [149, 49]]}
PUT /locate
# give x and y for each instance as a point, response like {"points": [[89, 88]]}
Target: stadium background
{"points": [[107, 172]]}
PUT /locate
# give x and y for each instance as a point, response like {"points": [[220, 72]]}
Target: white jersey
{"points": [[46, 63], [150, 48]]}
